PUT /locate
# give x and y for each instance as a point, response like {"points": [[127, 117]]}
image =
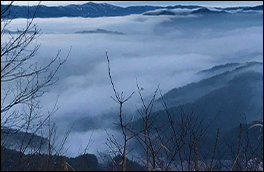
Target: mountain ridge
{"points": [[211, 82], [91, 9]]}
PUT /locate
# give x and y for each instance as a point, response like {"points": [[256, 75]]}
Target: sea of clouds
{"points": [[156, 50]]}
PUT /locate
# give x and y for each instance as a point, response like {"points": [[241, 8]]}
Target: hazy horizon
{"points": [[141, 3]]}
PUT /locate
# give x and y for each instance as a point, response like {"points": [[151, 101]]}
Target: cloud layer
{"points": [[156, 50]]}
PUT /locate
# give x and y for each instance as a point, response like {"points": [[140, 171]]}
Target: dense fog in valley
{"points": [[169, 51]]}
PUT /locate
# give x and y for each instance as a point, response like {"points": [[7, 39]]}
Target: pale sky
{"points": [[157, 3]]}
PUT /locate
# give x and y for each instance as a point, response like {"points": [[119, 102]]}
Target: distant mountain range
{"points": [[102, 31], [207, 11], [91, 9], [160, 12]]}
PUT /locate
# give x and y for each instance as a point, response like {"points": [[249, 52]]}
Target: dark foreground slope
{"points": [[233, 94], [12, 160], [225, 154]]}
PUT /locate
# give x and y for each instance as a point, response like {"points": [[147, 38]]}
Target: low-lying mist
{"points": [[156, 50]]}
